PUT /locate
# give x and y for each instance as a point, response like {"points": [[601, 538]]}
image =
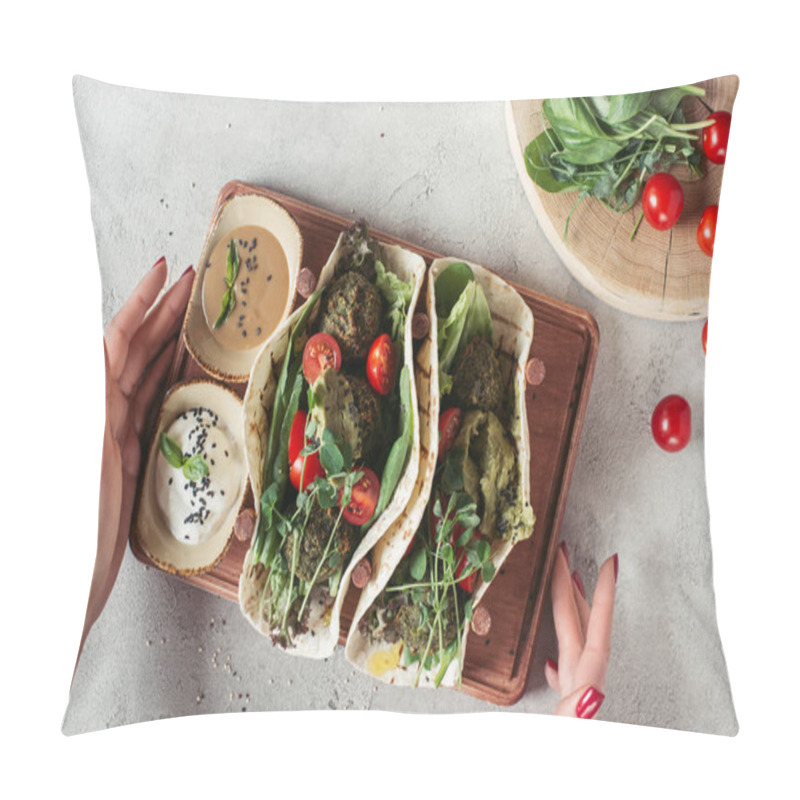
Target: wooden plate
{"points": [[565, 341], [660, 274]]}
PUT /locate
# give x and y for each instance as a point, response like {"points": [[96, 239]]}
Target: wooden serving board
{"points": [[566, 340], [660, 274]]}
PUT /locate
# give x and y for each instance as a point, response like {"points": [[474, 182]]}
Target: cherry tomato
{"points": [[321, 352], [705, 336], [363, 498], [672, 423], [313, 469], [715, 137], [462, 565], [707, 230], [381, 364], [297, 435], [662, 201], [449, 423]]}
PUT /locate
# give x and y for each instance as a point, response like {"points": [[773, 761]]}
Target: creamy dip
{"points": [[261, 287], [194, 509]]}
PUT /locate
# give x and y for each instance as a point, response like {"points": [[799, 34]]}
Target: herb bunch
{"points": [[193, 467], [605, 146]]}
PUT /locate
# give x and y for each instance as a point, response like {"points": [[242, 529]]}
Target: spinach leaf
{"points": [[616, 108], [538, 155], [400, 450]]}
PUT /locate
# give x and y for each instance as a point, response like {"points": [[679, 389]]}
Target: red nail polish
{"points": [[590, 703], [552, 664], [160, 261], [616, 567], [564, 551], [188, 269], [579, 584]]}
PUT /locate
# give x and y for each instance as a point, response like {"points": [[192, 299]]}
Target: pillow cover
{"points": [[596, 215]]}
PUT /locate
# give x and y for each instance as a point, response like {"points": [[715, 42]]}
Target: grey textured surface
{"points": [[440, 175]]}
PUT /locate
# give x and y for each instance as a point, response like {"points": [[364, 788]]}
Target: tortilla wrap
{"points": [[320, 640], [512, 323]]}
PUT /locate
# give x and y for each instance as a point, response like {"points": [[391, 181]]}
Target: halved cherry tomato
{"points": [[381, 364], [705, 337], [715, 137], [662, 201], [707, 230], [462, 565], [313, 469], [363, 498], [297, 435], [672, 423], [449, 423], [321, 352]]}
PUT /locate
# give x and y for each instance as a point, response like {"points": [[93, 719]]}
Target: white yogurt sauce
{"points": [[194, 509]]}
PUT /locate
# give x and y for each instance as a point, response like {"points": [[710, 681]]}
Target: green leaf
{"points": [[232, 265], [666, 101], [537, 164], [468, 609], [618, 108], [419, 562], [331, 458], [195, 467], [228, 304], [487, 573], [446, 553], [401, 448], [327, 495], [451, 281], [171, 451]]}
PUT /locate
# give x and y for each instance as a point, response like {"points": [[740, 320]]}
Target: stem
{"points": [[636, 226]]}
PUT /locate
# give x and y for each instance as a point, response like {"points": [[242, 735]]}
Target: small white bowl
{"points": [[151, 528], [243, 208]]}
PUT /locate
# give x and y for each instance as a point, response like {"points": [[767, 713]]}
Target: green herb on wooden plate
{"points": [[605, 146], [229, 298], [193, 467]]}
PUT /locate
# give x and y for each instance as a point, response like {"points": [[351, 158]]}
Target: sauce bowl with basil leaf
{"points": [[245, 284], [195, 479]]}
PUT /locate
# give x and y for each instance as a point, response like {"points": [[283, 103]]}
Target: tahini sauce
{"points": [[261, 287]]}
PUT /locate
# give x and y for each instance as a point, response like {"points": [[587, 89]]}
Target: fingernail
{"points": [[552, 664], [616, 567], [590, 703], [579, 584], [188, 269], [158, 263], [564, 551]]}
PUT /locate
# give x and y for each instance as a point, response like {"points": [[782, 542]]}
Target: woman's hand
{"points": [[584, 637], [139, 347]]}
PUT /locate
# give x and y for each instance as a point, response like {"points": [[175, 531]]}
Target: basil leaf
{"points": [[170, 450], [228, 304], [232, 265], [419, 563], [195, 467]]}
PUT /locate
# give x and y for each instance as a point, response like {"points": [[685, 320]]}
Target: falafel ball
{"points": [[477, 380], [321, 522], [347, 407], [415, 635], [351, 312]]}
